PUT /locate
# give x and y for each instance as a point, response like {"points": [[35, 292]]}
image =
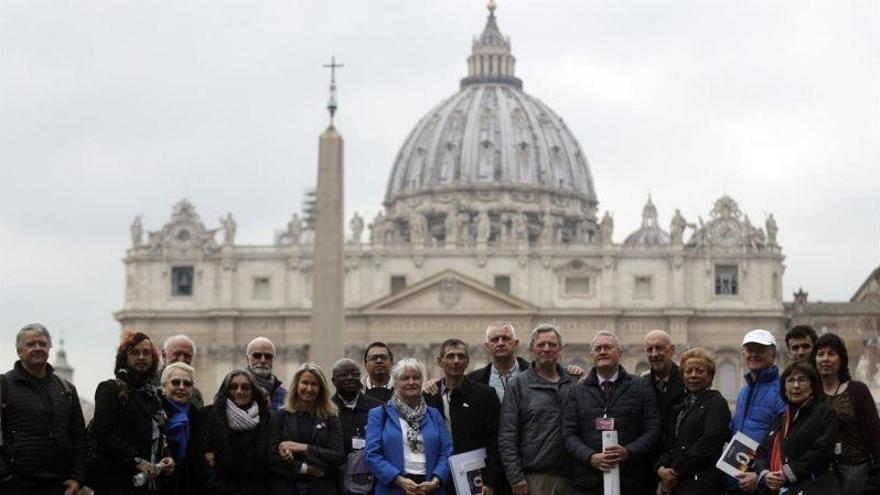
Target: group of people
{"points": [[392, 430]]}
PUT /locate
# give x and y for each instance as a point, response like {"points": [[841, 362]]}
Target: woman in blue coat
{"points": [[408, 444]]}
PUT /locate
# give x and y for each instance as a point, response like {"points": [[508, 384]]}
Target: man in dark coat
{"points": [[354, 406], [260, 356], [470, 410], [501, 343], [666, 380], [41, 419], [610, 399]]}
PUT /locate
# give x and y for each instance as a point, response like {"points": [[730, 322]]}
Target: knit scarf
{"points": [[242, 419], [413, 417], [177, 429], [267, 383]]}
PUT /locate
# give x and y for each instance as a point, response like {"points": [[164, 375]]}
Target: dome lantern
{"points": [[491, 60]]}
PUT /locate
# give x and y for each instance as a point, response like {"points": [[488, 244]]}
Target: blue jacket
{"points": [[384, 452], [758, 405]]}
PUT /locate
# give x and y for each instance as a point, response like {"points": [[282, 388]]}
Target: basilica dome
{"points": [[493, 138]]}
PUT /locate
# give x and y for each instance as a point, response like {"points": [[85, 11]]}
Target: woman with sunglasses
{"points": [[183, 419], [232, 440], [131, 454], [305, 439]]}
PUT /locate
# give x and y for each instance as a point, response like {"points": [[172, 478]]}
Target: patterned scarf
{"points": [[242, 419], [413, 417]]}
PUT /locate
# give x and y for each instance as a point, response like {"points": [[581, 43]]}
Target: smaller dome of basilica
{"points": [[650, 233]]}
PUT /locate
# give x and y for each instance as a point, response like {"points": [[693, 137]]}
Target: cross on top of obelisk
{"points": [[331, 104]]}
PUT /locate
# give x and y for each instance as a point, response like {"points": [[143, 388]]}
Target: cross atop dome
{"points": [[491, 60]]}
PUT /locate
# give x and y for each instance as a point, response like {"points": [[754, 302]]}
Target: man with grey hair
{"points": [[610, 399], [182, 349], [501, 344], [530, 433], [665, 378], [260, 354], [41, 417]]}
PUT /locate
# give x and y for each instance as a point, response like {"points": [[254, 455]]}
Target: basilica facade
{"points": [[490, 213]]}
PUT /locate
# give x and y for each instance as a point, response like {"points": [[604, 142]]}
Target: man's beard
{"points": [[262, 372]]}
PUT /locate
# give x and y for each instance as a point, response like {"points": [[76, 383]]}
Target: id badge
{"points": [[358, 443], [604, 424]]}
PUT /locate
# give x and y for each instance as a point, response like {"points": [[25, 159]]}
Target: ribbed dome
{"points": [[491, 134], [650, 233]]}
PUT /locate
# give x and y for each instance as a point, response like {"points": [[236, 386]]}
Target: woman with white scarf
{"points": [[233, 441], [408, 443]]}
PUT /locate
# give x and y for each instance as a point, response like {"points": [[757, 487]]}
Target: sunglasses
{"points": [[244, 387], [260, 355], [179, 382], [140, 353]]}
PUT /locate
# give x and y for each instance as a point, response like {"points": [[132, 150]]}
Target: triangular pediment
{"points": [[447, 292]]}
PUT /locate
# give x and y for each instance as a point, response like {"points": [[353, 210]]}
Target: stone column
{"points": [[328, 302]]}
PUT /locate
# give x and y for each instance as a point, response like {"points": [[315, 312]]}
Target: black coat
{"points": [[482, 375], [183, 480], [636, 419], [42, 440], [670, 398], [475, 410], [380, 394], [240, 457], [325, 451], [703, 429], [122, 429], [807, 450], [356, 418]]}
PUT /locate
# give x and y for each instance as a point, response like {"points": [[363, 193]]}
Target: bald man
{"points": [[665, 378], [260, 356]]}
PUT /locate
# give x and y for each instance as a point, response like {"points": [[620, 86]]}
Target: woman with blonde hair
{"points": [[305, 438], [177, 384]]}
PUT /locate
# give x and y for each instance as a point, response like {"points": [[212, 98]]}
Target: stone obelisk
{"points": [[328, 301]]}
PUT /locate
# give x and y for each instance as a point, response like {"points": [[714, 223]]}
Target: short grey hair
{"points": [[251, 343], [605, 333], [170, 340], [501, 324], [32, 327], [544, 328], [407, 363], [171, 368]]}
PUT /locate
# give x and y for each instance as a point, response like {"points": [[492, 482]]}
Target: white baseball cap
{"points": [[759, 336]]}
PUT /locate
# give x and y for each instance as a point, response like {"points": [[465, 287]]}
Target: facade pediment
{"points": [[448, 291]]}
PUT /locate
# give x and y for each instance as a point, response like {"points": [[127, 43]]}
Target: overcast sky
{"points": [[116, 108]]}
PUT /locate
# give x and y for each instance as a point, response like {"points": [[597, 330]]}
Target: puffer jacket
{"points": [[530, 429], [42, 440], [633, 405], [758, 404]]}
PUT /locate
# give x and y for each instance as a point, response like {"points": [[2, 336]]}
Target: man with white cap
{"points": [[759, 401]]}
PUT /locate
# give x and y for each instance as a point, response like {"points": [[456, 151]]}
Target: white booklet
{"points": [[468, 470], [611, 478], [738, 456]]}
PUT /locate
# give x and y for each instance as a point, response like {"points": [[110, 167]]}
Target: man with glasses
{"points": [[260, 356], [759, 401], [378, 360], [610, 399], [354, 406], [41, 421]]}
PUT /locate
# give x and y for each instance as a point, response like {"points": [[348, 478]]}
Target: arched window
{"points": [[727, 380]]}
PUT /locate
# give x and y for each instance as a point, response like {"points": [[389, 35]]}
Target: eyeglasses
{"points": [[797, 380], [243, 387], [378, 357], [260, 355], [179, 382], [140, 353]]}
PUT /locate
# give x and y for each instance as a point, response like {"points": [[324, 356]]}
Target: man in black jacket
{"points": [[354, 406], [666, 380], [610, 399], [501, 343], [41, 422], [471, 411]]}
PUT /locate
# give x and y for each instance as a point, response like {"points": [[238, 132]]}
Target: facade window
{"points": [[643, 288], [726, 281], [728, 381], [182, 281], [502, 283], [577, 286], [398, 283], [262, 288]]}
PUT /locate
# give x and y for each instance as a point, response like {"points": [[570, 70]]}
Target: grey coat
{"points": [[530, 429]]}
